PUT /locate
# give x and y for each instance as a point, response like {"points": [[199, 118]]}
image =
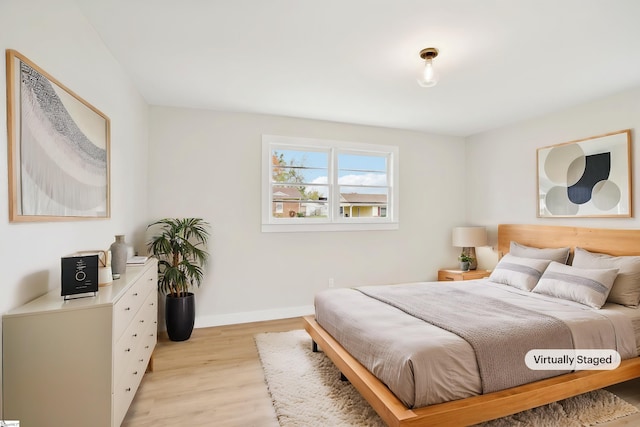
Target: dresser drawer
{"points": [[123, 395], [148, 314], [150, 309], [127, 307], [130, 348], [128, 383], [128, 344], [149, 341], [125, 350]]}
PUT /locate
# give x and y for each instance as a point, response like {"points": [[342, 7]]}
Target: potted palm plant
{"points": [[180, 246]]}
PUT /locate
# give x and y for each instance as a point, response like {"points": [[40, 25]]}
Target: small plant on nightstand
{"points": [[465, 261]]}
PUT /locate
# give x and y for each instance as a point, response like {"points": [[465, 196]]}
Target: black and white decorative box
{"points": [[79, 276]]}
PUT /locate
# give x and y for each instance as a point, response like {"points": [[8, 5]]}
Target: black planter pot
{"points": [[180, 315]]}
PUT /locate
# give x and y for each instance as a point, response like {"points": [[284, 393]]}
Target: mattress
{"points": [[423, 364], [633, 314]]}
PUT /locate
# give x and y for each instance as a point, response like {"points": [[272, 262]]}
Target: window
{"points": [[311, 184]]}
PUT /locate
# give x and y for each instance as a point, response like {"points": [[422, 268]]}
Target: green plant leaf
{"points": [[180, 246]]}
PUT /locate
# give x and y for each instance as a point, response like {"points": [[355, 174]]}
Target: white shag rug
{"points": [[306, 390]]}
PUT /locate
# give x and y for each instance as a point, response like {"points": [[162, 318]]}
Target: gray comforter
{"points": [[423, 364], [500, 333]]}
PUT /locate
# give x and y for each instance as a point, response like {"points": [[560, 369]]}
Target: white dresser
{"points": [[78, 363]]}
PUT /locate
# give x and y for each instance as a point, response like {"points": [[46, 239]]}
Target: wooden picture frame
{"points": [[586, 178], [58, 149]]}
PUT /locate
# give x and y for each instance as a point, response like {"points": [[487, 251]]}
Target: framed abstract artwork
{"points": [[586, 178], [58, 149]]}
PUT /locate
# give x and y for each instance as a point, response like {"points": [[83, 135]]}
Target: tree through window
{"points": [[299, 183]]}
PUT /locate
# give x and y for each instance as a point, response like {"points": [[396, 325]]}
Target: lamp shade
{"points": [[469, 237]]}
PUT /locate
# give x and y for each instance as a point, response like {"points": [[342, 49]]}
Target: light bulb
{"points": [[429, 76]]}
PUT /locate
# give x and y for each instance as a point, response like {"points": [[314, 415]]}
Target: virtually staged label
{"points": [[572, 360]]}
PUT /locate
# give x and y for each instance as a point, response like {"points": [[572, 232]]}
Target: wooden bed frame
{"points": [[490, 406]]}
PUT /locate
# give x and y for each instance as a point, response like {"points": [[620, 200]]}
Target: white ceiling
{"points": [[357, 61]]}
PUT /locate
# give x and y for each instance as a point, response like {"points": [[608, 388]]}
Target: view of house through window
{"points": [[299, 183], [363, 185], [328, 182]]}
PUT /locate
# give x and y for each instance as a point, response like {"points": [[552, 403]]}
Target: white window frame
{"points": [[333, 222]]}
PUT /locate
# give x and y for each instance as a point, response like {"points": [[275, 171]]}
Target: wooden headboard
{"points": [[604, 240]]}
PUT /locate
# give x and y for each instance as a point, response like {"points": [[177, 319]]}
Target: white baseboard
{"points": [[252, 316]]}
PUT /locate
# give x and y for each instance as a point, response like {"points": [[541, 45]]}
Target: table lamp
{"points": [[468, 238]]}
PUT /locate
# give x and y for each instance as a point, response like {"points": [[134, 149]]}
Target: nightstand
{"points": [[456, 275]]}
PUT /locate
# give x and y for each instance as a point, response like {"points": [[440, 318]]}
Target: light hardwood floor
{"points": [[215, 379]]}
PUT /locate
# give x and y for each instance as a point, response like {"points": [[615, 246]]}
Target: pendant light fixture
{"points": [[429, 76]]}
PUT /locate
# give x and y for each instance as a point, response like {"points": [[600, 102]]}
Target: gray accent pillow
{"points": [[626, 288], [521, 273], [560, 255], [586, 286]]}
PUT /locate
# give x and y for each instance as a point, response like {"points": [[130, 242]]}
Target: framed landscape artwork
{"points": [[58, 148], [586, 178]]}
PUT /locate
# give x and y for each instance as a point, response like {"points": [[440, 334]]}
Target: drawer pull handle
{"points": [[135, 335], [127, 309], [135, 295], [141, 360], [127, 389], [152, 304], [135, 373], [127, 350], [146, 346], [142, 321]]}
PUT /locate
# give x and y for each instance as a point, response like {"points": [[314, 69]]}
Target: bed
{"points": [[466, 405]]}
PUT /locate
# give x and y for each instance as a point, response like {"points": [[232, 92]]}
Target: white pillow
{"points": [[586, 286], [560, 255], [626, 288], [521, 273]]}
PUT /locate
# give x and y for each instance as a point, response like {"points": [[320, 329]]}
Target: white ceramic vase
{"points": [[118, 256]]}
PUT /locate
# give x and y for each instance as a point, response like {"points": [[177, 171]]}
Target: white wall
{"points": [[502, 162], [207, 164], [55, 36]]}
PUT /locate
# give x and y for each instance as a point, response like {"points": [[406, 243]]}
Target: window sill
{"points": [[306, 227]]}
